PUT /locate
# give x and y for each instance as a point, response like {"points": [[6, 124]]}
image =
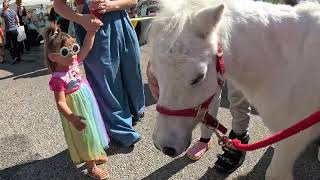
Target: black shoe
{"points": [[141, 115], [136, 119], [231, 159]]}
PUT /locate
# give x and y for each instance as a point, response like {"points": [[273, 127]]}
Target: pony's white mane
{"points": [[175, 14]]}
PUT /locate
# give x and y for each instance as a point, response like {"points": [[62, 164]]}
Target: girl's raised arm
{"points": [[87, 45], [87, 21]]}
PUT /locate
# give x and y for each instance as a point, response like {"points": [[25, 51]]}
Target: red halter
{"points": [[201, 112]]}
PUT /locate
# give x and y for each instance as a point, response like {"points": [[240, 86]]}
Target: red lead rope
{"points": [[300, 126]]}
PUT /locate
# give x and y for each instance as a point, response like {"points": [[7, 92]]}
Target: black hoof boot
{"points": [[231, 159]]}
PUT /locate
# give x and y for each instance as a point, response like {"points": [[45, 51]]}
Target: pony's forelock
{"points": [[174, 15]]}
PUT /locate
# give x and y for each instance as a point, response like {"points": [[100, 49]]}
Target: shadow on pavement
{"points": [[259, 170], [306, 167], [212, 173], [31, 65], [170, 169], [113, 150], [56, 167]]}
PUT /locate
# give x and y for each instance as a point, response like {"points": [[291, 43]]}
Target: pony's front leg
{"points": [[285, 154]]}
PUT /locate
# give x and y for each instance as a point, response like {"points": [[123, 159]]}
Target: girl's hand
{"points": [[90, 22], [77, 122]]}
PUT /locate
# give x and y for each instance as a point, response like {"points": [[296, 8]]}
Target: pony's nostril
{"points": [[169, 151]]}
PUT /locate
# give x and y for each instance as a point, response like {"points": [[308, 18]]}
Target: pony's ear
{"points": [[205, 20]]}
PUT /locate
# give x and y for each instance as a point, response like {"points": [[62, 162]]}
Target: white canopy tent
{"points": [[29, 4]]}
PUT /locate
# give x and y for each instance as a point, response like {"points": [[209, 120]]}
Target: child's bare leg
{"points": [[96, 172], [101, 160]]}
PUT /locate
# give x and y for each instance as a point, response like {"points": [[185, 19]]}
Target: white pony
{"points": [[271, 53]]}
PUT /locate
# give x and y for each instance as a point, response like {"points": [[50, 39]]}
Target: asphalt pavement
{"points": [[32, 145]]}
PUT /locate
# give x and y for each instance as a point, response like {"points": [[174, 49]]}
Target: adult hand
{"points": [[90, 22], [101, 6], [152, 81]]}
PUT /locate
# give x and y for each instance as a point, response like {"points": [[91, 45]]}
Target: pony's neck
{"points": [[251, 39]]}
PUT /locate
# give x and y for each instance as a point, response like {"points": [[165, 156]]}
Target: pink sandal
{"points": [[198, 150], [97, 173]]}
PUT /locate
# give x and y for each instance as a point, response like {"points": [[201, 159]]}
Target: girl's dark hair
{"points": [[55, 39]]}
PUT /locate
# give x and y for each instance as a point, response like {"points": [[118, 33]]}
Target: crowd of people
{"points": [[33, 21], [12, 19]]}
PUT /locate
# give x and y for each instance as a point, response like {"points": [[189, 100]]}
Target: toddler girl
{"points": [[80, 116]]}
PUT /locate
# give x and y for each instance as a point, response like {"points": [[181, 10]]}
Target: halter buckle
{"points": [[201, 113]]}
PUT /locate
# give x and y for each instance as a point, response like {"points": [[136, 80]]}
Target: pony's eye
{"points": [[197, 79]]}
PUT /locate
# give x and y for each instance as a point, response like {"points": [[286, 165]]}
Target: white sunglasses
{"points": [[73, 50]]}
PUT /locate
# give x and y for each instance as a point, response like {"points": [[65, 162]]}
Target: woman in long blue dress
{"points": [[113, 66]]}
